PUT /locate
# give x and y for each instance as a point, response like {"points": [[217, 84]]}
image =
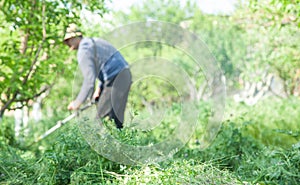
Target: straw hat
{"points": [[72, 31]]}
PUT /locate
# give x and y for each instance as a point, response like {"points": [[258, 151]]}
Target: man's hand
{"points": [[96, 94], [74, 105]]}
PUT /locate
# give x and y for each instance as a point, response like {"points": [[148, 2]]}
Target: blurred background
{"points": [[255, 43]]}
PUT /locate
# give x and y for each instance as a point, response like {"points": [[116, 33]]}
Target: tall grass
{"points": [[251, 148]]}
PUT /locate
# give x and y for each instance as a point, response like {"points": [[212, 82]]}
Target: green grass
{"points": [[274, 122], [253, 147]]}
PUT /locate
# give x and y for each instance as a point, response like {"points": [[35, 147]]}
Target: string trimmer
{"points": [[60, 123]]}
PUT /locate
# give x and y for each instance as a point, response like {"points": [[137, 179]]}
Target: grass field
{"points": [[256, 145]]}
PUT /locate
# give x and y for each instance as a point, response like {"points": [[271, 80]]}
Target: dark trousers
{"points": [[113, 98]]}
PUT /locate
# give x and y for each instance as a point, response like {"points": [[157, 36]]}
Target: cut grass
{"points": [[237, 155]]}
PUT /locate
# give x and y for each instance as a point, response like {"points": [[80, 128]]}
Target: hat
{"points": [[72, 31]]}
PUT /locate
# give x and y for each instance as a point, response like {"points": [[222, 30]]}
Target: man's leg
{"points": [[120, 93], [112, 116], [113, 99], [104, 103]]}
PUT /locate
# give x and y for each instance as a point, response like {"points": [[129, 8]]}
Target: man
{"points": [[99, 59]]}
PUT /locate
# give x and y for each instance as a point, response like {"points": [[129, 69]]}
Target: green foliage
{"points": [[179, 171], [256, 145], [236, 156], [273, 37], [7, 132], [66, 159], [236, 150], [224, 38], [32, 56], [272, 125], [170, 11]]}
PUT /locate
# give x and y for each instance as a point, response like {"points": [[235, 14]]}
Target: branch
{"points": [[36, 95], [7, 104], [39, 48], [30, 98], [18, 107], [24, 42]]}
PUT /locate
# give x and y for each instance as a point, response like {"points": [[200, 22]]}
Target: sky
{"points": [[207, 6]]}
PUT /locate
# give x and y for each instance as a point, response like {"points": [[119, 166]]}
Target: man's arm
{"points": [[85, 58], [96, 94]]}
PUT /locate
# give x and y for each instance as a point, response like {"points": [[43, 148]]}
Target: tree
{"points": [[220, 33], [31, 52], [273, 37]]}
